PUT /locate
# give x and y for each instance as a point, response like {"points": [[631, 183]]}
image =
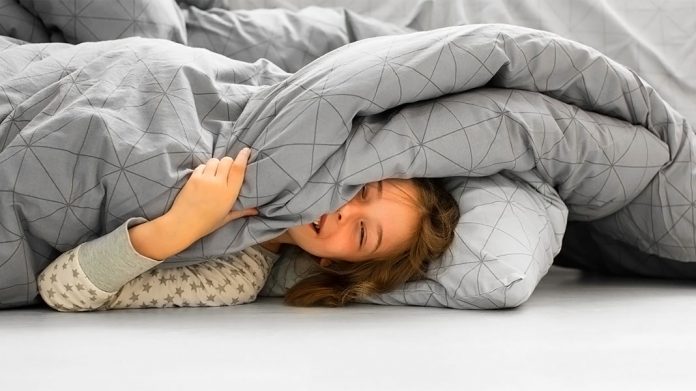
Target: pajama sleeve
{"points": [[107, 273]]}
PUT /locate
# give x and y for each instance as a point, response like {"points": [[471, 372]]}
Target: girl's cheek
{"points": [[343, 246]]}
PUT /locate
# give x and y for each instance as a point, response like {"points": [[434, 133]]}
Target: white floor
{"points": [[577, 332]]}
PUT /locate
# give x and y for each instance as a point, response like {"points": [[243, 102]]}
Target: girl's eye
{"points": [[362, 234]]}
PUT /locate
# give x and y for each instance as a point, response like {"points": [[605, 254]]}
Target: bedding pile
{"points": [[529, 129]]}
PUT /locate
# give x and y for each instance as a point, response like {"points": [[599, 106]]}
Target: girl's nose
{"points": [[346, 210]]}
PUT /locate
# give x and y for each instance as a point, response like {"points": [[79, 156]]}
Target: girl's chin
{"points": [[305, 229], [303, 234]]}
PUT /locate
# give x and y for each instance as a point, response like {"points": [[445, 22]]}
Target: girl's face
{"points": [[378, 221]]}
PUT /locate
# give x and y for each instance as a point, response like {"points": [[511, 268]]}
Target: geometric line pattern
{"points": [[529, 129], [654, 38]]}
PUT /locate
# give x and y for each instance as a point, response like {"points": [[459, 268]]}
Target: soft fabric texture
{"points": [[96, 133], [90, 277], [82, 21], [655, 39]]}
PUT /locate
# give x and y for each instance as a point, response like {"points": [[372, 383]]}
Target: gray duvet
{"points": [[98, 132]]}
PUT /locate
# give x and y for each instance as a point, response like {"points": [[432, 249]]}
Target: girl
{"points": [[380, 239]]}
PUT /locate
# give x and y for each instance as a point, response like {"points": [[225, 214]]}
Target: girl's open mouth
{"points": [[316, 224]]}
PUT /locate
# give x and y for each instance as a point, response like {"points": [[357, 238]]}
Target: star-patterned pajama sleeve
{"points": [[107, 273]]}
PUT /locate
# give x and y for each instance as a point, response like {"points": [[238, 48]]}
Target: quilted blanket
{"points": [[94, 133]]}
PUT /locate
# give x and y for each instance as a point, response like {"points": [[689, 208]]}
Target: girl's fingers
{"points": [[250, 212], [236, 214], [224, 166], [243, 154], [236, 174], [211, 166], [198, 171]]}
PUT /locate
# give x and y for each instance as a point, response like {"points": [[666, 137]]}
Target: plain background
{"points": [[577, 332]]}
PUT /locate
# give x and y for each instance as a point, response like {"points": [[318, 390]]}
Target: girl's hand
{"points": [[205, 202]]}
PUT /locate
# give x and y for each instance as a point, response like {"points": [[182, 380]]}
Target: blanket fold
{"points": [[95, 133]]}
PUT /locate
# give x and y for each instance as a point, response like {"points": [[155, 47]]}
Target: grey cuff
{"points": [[110, 261]]}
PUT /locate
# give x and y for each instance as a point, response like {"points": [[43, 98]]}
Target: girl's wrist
{"points": [[161, 238]]}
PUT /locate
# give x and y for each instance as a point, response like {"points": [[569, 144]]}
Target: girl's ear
{"points": [[324, 262]]}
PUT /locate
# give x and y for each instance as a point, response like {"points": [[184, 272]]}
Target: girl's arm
{"points": [[108, 273], [96, 274], [161, 238]]}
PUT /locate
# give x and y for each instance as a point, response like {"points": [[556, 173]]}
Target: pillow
{"points": [[17, 23], [78, 21], [510, 229]]}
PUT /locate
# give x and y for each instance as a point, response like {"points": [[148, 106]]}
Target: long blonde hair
{"points": [[344, 282]]}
